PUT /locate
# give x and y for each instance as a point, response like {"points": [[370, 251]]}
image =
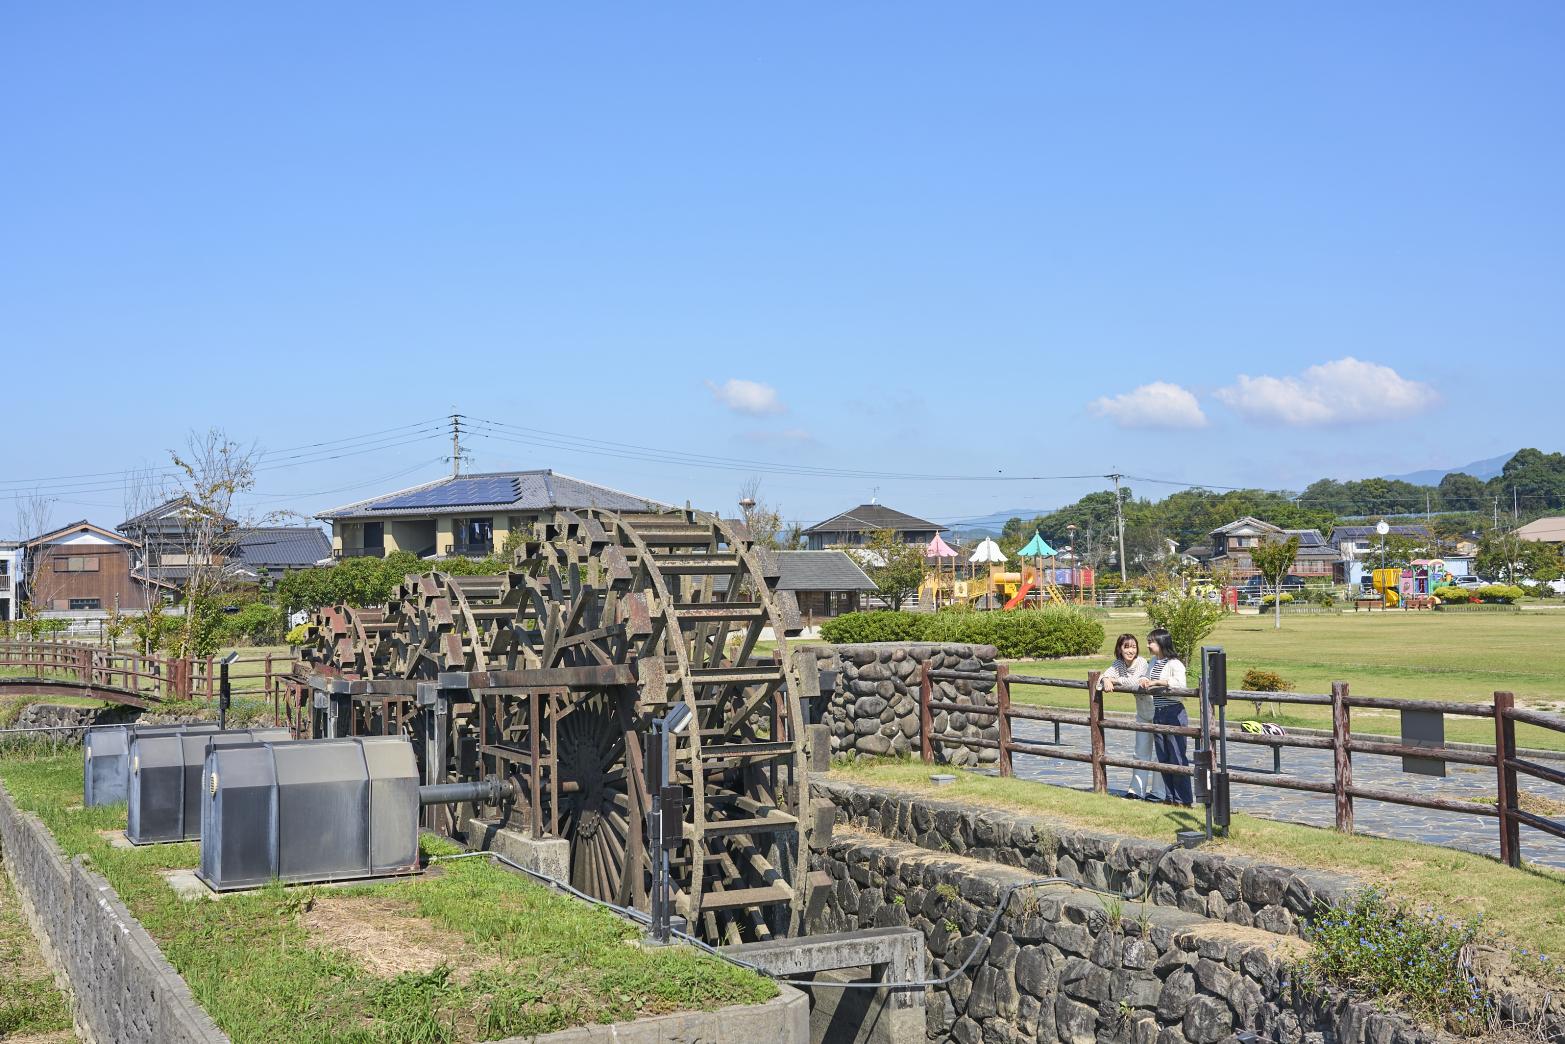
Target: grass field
{"points": [[1529, 903], [1425, 655], [469, 953]]}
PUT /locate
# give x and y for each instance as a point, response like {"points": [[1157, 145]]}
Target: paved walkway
{"points": [[1474, 833]]}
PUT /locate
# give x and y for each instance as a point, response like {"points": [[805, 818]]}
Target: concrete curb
{"points": [[122, 988], [784, 1019]]}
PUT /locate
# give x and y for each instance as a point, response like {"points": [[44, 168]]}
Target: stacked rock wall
{"points": [[873, 709], [1067, 965], [1205, 882]]}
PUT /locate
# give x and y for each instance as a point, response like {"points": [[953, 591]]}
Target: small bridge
{"points": [[35, 668]]}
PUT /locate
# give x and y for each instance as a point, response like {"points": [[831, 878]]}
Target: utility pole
{"points": [[1516, 511], [456, 444], [1119, 522], [1496, 511]]}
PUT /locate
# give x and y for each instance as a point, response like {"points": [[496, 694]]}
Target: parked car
{"points": [[1470, 581]]}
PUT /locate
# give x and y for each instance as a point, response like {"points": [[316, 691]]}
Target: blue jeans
{"points": [[1171, 750]]}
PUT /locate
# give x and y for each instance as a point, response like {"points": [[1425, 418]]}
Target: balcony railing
{"points": [[5, 581], [360, 552], [480, 550]]}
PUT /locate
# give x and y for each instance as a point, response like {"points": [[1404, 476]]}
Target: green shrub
{"points": [[1257, 680], [1272, 599], [298, 635], [1453, 595], [1499, 594], [1414, 962], [1049, 632], [257, 623], [1321, 596]]}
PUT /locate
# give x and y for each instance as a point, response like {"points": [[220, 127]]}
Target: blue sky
{"points": [[1231, 245]]}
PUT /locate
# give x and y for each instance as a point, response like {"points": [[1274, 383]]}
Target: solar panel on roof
{"points": [[455, 493]]}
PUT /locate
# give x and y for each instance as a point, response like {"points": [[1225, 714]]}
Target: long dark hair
{"points": [[1119, 643], [1165, 643]]}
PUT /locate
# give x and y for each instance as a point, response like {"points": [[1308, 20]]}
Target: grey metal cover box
{"points": [[164, 794], [316, 810], [106, 759]]}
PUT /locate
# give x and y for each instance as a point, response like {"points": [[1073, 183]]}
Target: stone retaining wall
{"points": [[69, 719], [1211, 884], [122, 989], [873, 709], [1067, 965]]}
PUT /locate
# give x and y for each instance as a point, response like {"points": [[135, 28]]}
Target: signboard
{"points": [[1423, 729]]}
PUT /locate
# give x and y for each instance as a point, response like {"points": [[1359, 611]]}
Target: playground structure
{"points": [[1396, 585]]}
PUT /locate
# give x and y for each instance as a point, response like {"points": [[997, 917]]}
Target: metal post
{"points": [[665, 819], [225, 694], [1214, 687]]}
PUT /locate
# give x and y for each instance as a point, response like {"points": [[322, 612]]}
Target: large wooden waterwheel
{"points": [[607, 622]]}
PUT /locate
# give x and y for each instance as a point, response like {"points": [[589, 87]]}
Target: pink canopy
{"points": [[939, 549]]}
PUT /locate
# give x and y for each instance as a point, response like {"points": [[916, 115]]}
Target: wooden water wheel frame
{"points": [[672, 604]]}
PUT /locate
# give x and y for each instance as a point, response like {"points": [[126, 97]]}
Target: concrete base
{"points": [[856, 1015], [548, 856], [116, 838], [187, 884]]}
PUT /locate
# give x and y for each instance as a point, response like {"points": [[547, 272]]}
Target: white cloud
{"points": [[1155, 405], [1345, 391], [748, 397]]}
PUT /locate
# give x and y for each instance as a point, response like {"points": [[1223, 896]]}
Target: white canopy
{"points": [[988, 553]]}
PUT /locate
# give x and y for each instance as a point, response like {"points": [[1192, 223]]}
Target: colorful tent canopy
{"points": [[1037, 547], [939, 549], [989, 552]]}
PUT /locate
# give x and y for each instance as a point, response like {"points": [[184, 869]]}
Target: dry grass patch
{"points": [[381, 935]]}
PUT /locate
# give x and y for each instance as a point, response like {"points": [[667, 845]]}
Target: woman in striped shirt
{"points": [[1166, 671], [1123, 674]]}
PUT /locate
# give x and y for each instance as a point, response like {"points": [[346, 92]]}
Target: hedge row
{"points": [[1049, 632], [1490, 594]]}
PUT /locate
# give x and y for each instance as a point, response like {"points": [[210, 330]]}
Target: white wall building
{"points": [[12, 556]]}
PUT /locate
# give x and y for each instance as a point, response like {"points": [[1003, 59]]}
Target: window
{"points": [[76, 563], [374, 534], [477, 531], [86, 603]]}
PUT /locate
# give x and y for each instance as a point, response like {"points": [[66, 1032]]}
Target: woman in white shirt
{"points": [[1166, 671], [1124, 674]]}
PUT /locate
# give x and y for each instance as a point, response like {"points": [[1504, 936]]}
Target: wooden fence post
{"points": [[1342, 774], [1002, 690], [1100, 775], [1506, 798], [926, 719], [209, 679]]}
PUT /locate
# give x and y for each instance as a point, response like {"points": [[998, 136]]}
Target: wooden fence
{"points": [[158, 678], [1508, 766]]}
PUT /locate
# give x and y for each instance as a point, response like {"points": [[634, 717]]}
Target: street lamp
{"points": [[1070, 531], [1382, 529]]}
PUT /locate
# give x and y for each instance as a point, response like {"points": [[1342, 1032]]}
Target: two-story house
{"points": [[1229, 549], [470, 515], [859, 524], [12, 561], [82, 571], [168, 551], [1358, 550]]}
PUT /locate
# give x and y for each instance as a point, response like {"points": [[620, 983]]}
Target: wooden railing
{"points": [[159, 678], [1504, 759]]}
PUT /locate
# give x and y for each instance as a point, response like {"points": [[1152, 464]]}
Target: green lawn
{"points": [[1529, 903], [471, 953]]}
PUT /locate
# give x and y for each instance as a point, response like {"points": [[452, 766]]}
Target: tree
{"points": [[1274, 559], [1189, 618], [762, 519], [34, 517], [896, 568]]}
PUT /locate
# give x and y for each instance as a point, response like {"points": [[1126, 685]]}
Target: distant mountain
{"points": [[1483, 470], [991, 524]]}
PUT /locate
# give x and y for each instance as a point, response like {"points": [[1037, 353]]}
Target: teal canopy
{"points": [[1037, 548]]}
